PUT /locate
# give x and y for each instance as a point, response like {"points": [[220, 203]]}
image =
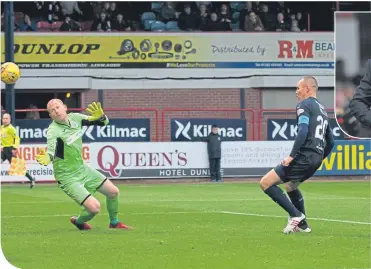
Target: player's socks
{"points": [[84, 216], [281, 199], [298, 201], [29, 177], [113, 209]]}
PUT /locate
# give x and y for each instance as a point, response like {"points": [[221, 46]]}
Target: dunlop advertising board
{"points": [[174, 50]]}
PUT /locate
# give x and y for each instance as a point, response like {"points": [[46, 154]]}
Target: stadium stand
{"points": [[170, 16]]}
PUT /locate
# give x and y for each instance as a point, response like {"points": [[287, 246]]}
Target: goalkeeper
{"points": [[76, 179]]}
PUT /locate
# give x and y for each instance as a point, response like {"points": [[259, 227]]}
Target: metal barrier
{"points": [[229, 113], [151, 113], [256, 120]]}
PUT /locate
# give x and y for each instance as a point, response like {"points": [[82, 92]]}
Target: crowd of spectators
{"points": [[157, 16]]}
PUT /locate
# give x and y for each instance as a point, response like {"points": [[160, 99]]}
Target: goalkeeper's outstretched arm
{"points": [[97, 116]]}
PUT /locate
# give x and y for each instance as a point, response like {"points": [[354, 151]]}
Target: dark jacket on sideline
{"points": [[361, 103], [214, 145]]}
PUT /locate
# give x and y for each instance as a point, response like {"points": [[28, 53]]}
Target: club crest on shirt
{"points": [[74, 124], [300, 111]]}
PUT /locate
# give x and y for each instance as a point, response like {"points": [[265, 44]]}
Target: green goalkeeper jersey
{"points": [[65, 145]]}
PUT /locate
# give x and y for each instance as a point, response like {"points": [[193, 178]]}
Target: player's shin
{"points": [[280, 198], [85, 216], [298, 201], [113, 209]]}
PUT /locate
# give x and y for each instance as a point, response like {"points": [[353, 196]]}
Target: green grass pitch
{"points": [[189, 226]]}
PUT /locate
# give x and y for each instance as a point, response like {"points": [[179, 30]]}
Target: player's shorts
{"points": [[7, 154], [83, 185], [300, 169]]}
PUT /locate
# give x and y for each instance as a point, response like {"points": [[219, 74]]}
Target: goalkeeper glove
{"points": [[95, 110], [43, 158]]}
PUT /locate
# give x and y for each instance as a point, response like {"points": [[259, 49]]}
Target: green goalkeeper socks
{"points": [[113, 210], [84, 217]]}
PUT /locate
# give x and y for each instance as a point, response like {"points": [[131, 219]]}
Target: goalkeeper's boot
{"points": [[32, 183], [120, 225], [83, 226]]}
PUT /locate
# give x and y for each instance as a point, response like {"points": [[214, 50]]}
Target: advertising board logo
{"points": [[305, 49], [112, 161], [183, 130], [55, 49], [117, 130], [279, 130], [287, 129], [194, 129]]}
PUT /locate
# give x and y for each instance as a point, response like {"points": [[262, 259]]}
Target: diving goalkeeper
{"points": [[78, 180]]}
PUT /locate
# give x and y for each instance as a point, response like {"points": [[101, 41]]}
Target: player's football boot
{"points": [[303, 228], [83, 226], [120, 225], [293, 224]]}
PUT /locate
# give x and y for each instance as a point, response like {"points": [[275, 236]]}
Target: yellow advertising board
{"points": [[173, 50]]}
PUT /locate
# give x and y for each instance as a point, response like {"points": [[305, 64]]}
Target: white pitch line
{"points": [[197, 212], [275, 216], [197, 200], [105, 214]]}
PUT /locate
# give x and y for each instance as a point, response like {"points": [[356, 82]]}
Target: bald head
{"points": [[6, 119], [307, 87], [57, 110], [311, 82], [53, 102]]}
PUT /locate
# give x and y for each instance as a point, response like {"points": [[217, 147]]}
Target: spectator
{"points": [[202, 15], [187, 20], [53, 11], [106, 7], [112, 11], [87, 9], [292, 18], [253, 23], [71, 9], [70, 25], [119, 24], [97, 9], [32, 115], [27, 24], [207, 4], [267, 18], [294, 26], [102, 24], [225, 15], [302, 23], [167, 12], [213, 24], [281, 25], [282, 9], [256, 6], [244, 12]]}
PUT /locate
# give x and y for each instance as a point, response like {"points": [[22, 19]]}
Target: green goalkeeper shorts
{"points": [[81, 185]]}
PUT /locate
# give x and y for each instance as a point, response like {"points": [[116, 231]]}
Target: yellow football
{"points": [[10, 73]]}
